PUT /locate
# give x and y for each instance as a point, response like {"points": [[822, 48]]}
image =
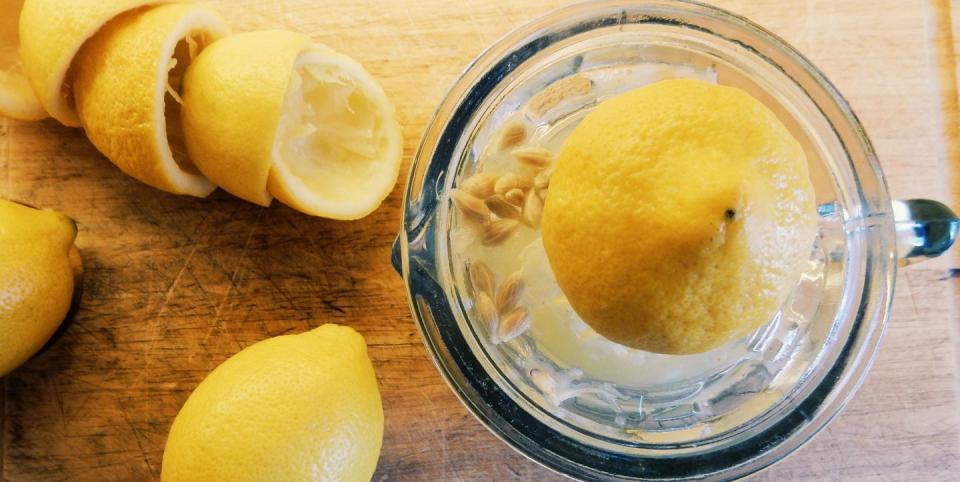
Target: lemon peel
{"points": [[294, 407], [679, 216], [126, 84], [51, 33], [272, 114], [36, 279]]}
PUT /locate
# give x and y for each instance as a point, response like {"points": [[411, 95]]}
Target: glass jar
{"points": [[718, 415]]}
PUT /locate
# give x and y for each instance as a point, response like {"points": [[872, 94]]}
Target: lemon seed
{"points": [[481, 278], [515, 197], [487, 312], [496, 232], [514, 133], [542, 180], [499, 206], [509, 292], [510, 181], [481, 184], [533, 209], [513, 324], [536, 157], [469, 205]]}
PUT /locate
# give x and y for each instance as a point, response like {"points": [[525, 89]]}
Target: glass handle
{"points": [[925, 229]]}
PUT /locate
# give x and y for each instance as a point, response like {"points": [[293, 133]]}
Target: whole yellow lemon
{"points": [[295, 407], [679, 216], [38, 268]]}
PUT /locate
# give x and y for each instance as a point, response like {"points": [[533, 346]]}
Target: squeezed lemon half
{"points": [[679, 216], [51, 33], [126, 87], [271, 114]]}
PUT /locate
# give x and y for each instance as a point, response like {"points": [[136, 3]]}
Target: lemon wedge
{"points": [[17, 99], [126, 87], [51, 33], [271, 114]]}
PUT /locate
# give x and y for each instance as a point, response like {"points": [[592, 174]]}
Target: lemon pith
{"points": [[343, 160], [679, 216], [36, 279], [123, 98], [294, 407]]}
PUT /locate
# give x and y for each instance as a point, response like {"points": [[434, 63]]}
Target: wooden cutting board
{"points": [[176, 285]]}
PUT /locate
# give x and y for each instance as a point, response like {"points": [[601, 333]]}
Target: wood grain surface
{"points": [[175, 285]]}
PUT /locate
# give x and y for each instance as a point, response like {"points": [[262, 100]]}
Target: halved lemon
{"points": [[271, 113], [126, 86], [51, 34], [17, 99], [680, 216]]}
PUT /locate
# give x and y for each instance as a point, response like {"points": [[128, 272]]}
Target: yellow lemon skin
{"points": [[36, 279], [679, 216], [51, 34], [17, 99], [296, 407], [232, 102], [121, 78], [271, 114]]}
